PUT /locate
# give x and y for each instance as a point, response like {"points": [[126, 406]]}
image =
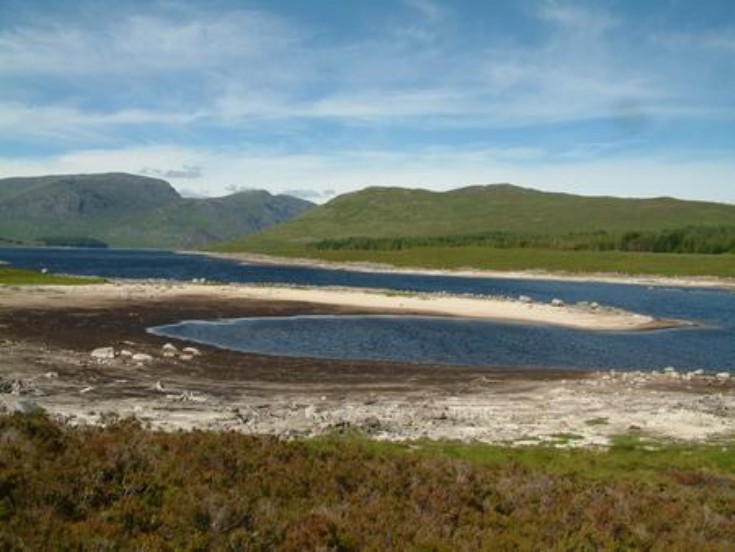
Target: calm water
{"points": [[438, 340]]}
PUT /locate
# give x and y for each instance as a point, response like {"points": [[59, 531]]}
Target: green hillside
{"points": [[507, 227], [394, 212], [125, 210]]}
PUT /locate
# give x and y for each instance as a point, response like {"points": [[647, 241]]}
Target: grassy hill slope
{"points": [[420, 228], [131, 211], [394, 212]]}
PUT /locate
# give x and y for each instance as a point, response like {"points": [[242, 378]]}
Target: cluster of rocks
{"points": [[104, 354], [16, 387], [668, 373], [556, 302]]}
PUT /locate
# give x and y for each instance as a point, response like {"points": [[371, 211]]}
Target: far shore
{"points": [[581, 316], [361, 266]]}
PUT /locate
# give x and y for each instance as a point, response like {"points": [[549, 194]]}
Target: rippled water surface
{"points": [[464, 342]]}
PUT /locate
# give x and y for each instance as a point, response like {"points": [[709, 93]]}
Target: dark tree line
{"points": [[692, 239]]}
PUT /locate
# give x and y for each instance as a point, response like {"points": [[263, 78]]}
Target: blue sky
{"points": [[317, 97]]}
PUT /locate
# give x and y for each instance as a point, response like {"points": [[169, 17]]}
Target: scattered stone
{"points": [[723, 375], [594, 305], [170, 347], [525, 299], [158, 387], [370, 424], [51, 375], [27, 406], [186, 357], [697, 372], [126, 354], [669, 370], [86, 390], [142, 357], [557, 303], [188, 396], [191, 351], [16, 387], [103, 353]]}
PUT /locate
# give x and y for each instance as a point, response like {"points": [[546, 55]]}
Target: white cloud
{"points": [[577, 17], [142, 43]]}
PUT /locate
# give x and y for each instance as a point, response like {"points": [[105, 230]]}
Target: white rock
{"points": [[191, 351], [525, 299], [723, 375], [557, 303], [142, 357], [125, 353], [169, 347], [103, 353], [186, 357], [669, 370], [697, 372]]}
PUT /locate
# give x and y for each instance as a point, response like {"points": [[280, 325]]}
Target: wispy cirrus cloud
{"points": [[300, 90]]}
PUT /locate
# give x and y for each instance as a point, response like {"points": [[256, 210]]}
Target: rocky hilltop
{"points": [[125, 210]]}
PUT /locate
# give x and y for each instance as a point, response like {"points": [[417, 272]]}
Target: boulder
{"points": [[142, 357], [723, 375], [169, 350], [103, 353], [557, 303], [191, 351]]}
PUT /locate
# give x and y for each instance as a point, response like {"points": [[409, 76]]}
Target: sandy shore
{"points": [[47, 336], [602, 277], [579, 316]]}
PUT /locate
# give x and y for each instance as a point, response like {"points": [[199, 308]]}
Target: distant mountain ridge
{"points": [[125, 210], [474, 210]]}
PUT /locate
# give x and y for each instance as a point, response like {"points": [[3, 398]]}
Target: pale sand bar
{"points": [[373, 301]]}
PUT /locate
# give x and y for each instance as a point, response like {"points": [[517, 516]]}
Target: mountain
{"points": [[481, 210], [126, 210]]}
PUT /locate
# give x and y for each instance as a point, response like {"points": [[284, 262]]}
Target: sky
{"points": [[321, 97]]}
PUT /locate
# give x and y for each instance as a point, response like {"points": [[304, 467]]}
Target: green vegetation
{"points": [[529, 259], [124, 487], [503, 227], [482, 210], [684, 240], [124, 210], [19, 277]]}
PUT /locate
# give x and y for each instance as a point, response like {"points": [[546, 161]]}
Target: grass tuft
{"points": [[20, 277]]}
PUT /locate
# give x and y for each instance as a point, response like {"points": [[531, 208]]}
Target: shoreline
{"points": [[584, 317], [83, 359], [369, 267]]}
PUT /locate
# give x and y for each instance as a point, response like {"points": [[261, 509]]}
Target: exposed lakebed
{"points": [[710, 345]]}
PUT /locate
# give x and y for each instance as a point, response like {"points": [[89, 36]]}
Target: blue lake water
{"points": [[710, 346]]}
